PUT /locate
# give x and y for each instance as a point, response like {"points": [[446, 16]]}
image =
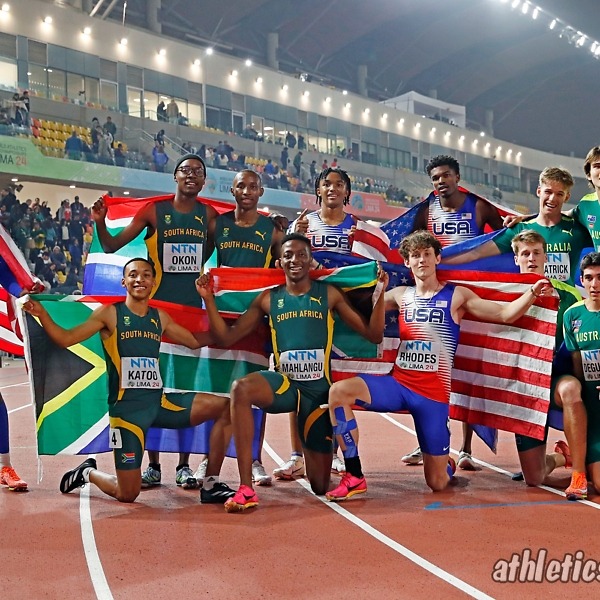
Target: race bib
{"points": [[114, 438], [182, 257], [590, 361], [302, 365], [417, 355], [140, 372], [558, 266]]}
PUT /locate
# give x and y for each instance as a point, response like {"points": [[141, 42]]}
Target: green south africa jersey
{"points": [[243, 246], [564, 243], [587, 213]]}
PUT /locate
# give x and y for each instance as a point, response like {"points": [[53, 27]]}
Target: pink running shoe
{"points": [[244, 498], [349, 486], [9, 477]]}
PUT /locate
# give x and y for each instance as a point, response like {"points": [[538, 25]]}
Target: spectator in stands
{"points": [[111, 128], [120, 156], [104, 149], [38, 236], [75, 252], [172, 111], [325, 164], [59, 259], [159, 138], [313, 170], [290, 139], [76, 230], [26, 101], [284, 182], [269, 169], [368, 186], [301, 142], [249, 133], [73, 146], [182, 120], [64, 234], [95, 134], [298, 162], [41, 262], [284, 159], [77, 208], [334, 163], [4, 117], [161, 111], [71, 283], [221, 161], [160, 158], [8, 198]]}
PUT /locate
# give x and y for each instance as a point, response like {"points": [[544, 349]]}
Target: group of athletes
{"points": [[300, 314]]}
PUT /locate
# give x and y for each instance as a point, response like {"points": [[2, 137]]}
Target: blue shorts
{"points": [[430, 417]]}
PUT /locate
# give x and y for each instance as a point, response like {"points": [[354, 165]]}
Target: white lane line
{"points": [[89, 546], [399, 548], [489, 465], [12, 410], [5, 387]]}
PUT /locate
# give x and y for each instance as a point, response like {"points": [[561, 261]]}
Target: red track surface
{"points": [[293, 545]]}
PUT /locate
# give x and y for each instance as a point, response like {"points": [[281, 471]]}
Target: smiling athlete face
{"points": [[138, 280], [332, 191], [247, 190], [295, 260], [552, 195], [190, 177]]}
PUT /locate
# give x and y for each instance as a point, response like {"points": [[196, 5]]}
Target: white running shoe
{"points": [[291, 469], [466, 462], [413, 458], [200, 473], [338, 467], [259, 475]]}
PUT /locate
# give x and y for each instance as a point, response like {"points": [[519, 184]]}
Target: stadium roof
{"points": [[542, 86]]}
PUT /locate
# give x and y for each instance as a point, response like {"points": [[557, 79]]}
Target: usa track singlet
{"points": [[302, 334], [453, 227], [333, 238], [178, 248], [428, 340], [243, 246], [131, 354]]}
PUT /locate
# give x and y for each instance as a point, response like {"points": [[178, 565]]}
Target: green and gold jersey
{"points": [[587, 213], [564, 243], [243, 246], [302, 334], [131, 353], [178, 250]]}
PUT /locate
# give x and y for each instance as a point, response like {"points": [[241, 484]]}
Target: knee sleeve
{"points": [[344, 429]]}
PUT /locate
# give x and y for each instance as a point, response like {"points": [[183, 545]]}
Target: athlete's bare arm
{"points": [[145, 218], [103, 320], [182, 336]]}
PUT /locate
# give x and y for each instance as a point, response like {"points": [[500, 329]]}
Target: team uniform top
{"points": [[564, 243], [582, 333], [333, 238], [453, 227], [587, 212], [243, 246], [131, 353], [428, 340], [568, 296], [302, 335], [178, 249]]}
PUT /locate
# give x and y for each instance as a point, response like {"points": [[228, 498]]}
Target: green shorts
{"points": [[306, 400], [131, 419]]}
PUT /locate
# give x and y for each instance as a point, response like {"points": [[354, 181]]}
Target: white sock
{"points": [[4, 460], [209, 482], [86, 474]]}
